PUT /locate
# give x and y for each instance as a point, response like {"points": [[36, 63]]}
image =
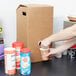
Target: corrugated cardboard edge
{"points": [[33, 5], [21, 6]]}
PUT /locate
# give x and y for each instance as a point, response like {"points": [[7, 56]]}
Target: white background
{"points": [[62, 8]]}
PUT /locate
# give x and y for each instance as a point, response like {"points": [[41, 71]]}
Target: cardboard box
{"points": [[34, 23]]}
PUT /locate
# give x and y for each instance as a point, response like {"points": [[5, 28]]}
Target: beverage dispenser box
{"points": [[34, 23]]}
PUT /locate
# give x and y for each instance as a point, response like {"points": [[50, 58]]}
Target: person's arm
{"points": [[63, 47], [74, 31], [62, 35]]}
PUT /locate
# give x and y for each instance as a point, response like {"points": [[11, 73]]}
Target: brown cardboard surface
{"points": [[35, 26]]}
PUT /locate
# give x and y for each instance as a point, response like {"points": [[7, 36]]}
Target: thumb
{"points": [[48, 54], [52, 52]]}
